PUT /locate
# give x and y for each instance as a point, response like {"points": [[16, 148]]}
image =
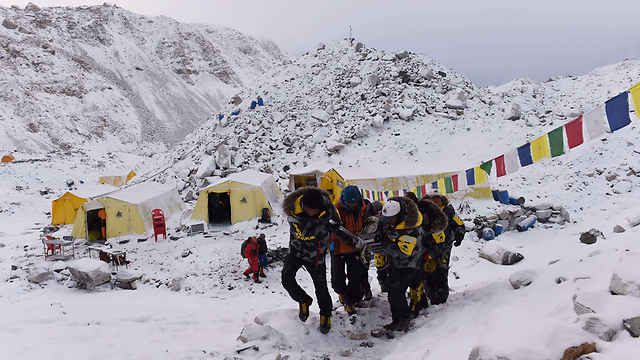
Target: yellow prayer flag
{"points": [[481, 175], [441, 186], [540, 148], [635, 95]]}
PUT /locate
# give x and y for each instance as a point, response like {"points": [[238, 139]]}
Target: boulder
{"points": [[176, 284], [457, 101], [406, 114], [355, 81], [223, 157], [320, 114], [534, 334], [207, 167], [625, 279], [359, 47], [38, 275], [426, 74], [622, 187], [596, 326], [333, 145], [277, 117], [632, 326], [576, 352], [255, 332], [618, 229], [514, 112], [377, 121], [373, 80], [388, 57], [565, 214], [89, 273], [522, 278], [32, 7], [127, 280], [402, 55], [495, 253], [543, 215], [9, 24]]}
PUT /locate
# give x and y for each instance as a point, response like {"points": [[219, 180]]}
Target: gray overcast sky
{"points": [[489, 41]]}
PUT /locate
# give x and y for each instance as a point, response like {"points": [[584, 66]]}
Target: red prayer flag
{"points": [[423, 189], [454, 180], [574, 132], [501, 169]]}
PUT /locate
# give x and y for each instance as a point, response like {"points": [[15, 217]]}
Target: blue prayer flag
{"points": [[471, 177], [617, 110], [524, 153]]}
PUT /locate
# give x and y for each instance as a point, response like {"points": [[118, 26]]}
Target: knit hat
{"points": [[351, 194]]}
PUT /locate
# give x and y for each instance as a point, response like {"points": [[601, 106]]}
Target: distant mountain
{"points": [[101, 74], [350, 105]]}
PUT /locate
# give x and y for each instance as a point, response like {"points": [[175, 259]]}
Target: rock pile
{"points": [[510, 216]]}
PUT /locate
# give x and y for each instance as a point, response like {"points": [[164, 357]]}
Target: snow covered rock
{"points": [[256, 332], [626, 278], [402, 55], [618, 229], [591, 236], [543, 215], [176, 283], [223, 157], [495, 253], [531, 336], [632, 326], [9, 24], [89, 273], [207, 167], [596, 326], [522, 278], [374, 80], [622, 187], [355, 81], [590, 302], [457, 101], [514, 112], [39, 274], [333, 145], [359, 47], [377, 121], [320, 114], [277, 117], [406, 114], [388, 57], [320, 135], [426, 73]]}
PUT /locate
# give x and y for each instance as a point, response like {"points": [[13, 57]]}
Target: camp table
{"points": [[115, 257], [59, 249]]}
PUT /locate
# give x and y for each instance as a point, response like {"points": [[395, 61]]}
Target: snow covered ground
{"points": [[484, 317]]}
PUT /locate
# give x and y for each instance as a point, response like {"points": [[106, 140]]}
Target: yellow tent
{"points": [[238, 197], [394, 177], [117, 180], [128, 211], [308, 176], [64, 208]]}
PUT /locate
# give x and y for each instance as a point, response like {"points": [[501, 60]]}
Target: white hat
{"points": [[434, 192], [389, 210]]}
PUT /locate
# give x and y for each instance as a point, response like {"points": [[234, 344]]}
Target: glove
{"points": [[426, 257], [457, 242], [360, 243]]}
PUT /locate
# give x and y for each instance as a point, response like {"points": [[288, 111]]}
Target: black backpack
{"points": [[266, 216], [244, 246]]}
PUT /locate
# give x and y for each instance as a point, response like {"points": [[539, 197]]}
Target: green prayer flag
{"points": [[487, 167], [556, 142], [448, 185]]}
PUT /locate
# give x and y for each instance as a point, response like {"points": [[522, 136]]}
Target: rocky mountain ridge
{"points": [[100, 74]]}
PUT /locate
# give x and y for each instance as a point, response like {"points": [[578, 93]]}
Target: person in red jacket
{"points": [[251, 252]]}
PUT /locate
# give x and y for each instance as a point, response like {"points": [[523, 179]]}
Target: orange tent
{"points": [[8, 158]]}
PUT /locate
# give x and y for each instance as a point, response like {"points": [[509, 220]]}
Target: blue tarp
{"points": [[524, 153], [618, 111], [260, 102], [253, 105], [237, 112], [220, 116]]}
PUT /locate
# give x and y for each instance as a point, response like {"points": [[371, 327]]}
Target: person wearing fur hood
{"points": [[401, 238], [312, 219]]}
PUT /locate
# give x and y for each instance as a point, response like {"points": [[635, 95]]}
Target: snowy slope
{"points": [[215, 304], [73, 76]]}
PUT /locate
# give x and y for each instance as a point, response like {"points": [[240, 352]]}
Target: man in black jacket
{"points": [[312, 219]]}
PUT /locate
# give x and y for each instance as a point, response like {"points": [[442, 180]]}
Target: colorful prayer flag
{"points": [[501, 170], [524, 154], [481, 175], [574, 132], [487, 167], [540, 148], [617, 110], [635, 95], [423, 190], [454, 182], [512, 161], [595, 122], [556, 141], [441, 186], [448, 185], [471, 177], [434, 185]]}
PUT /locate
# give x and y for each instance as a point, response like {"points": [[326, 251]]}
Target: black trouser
{"points": [[364, 274], [319, 276], [436, 283], [351, 292], [399, 280]]}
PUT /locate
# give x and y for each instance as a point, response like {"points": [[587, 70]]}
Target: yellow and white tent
{"points": [[117, 180], [128, 211], [238, 197], [393, 177], [64, 208], [309, 175]]}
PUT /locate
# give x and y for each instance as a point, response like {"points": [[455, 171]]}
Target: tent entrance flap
{"points": [[305, 180], [219, 207]]}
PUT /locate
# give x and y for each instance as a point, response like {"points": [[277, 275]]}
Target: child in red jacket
{"points": [[251, 253]]}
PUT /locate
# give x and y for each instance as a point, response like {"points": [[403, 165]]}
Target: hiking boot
{"points": [[262, 274], [403, 325], [247, 275], [341, 298], [325, 324], [258, 281], [303, 313], [422, 304], [384, 288], [367, 295], [392, 326], [350, 309]]}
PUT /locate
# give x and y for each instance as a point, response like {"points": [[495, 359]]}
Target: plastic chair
{"points": [[159, 226]]}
